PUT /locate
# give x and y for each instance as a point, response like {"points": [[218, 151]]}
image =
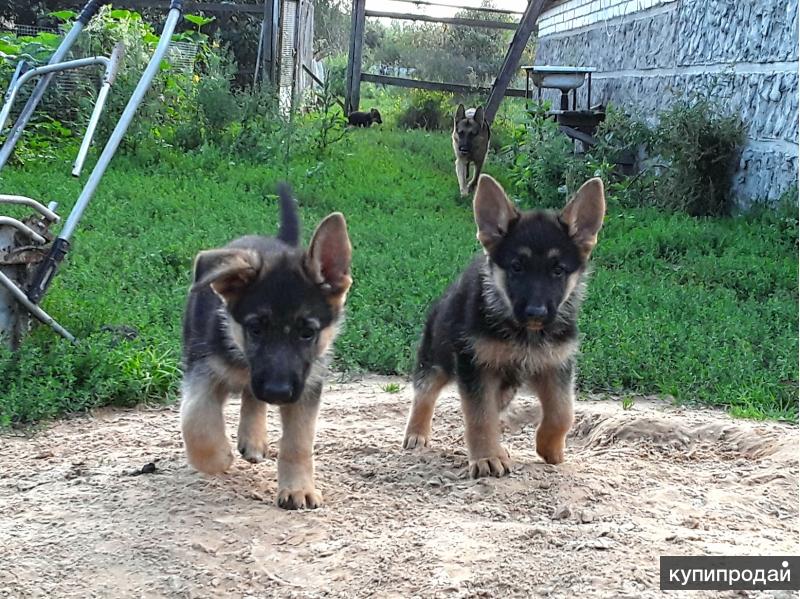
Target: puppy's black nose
{"points": [[536, 311], [463, 149], [276, 392]]}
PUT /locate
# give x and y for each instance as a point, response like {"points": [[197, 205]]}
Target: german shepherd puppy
{"points": [[261, 316], [471, 135], [510, 319], [365, 119]]}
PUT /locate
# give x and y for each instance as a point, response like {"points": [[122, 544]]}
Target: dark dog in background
{"points": [[365, 119], [471, 135], [261, 316], [509, 320]]}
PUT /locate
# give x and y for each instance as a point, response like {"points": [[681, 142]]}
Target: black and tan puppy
{"points": [[509, 320], [471, 135], [260, 319], [365, 119]]}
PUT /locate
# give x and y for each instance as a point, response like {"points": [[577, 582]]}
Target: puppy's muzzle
{"points": [[463, 150], [536, 316], [276, 392]]}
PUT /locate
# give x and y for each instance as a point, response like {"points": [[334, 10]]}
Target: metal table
{"points": [[562, 78]]}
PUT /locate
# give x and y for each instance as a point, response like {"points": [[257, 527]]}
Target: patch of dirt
{"points": [[84, 514]]}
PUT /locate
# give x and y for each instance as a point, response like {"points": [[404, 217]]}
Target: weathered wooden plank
{"points": [[456, 88], [448, 20], [511, 61], [218, 7], [502, 11], [353, 80]]}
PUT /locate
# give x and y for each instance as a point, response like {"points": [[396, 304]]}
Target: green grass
{"points": [[703, 310]]}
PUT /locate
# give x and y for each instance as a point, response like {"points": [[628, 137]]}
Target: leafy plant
{"points": [[426, 110], [326, 119], [541, 158], [701, 146]]}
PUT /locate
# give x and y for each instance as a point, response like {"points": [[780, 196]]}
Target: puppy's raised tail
{"points": [[289, 229]]}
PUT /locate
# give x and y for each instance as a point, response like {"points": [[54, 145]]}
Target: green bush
{"points": [[688, 159], [427, 110], [702, 147], [544, 169], [335, 74]]}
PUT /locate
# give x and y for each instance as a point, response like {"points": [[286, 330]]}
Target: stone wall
{"points": [[650, 53]]}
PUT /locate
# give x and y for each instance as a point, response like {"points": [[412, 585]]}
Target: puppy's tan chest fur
{"points": [[504, 355]]}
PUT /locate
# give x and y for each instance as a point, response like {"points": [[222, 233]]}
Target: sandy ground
{"points": [[652, 480]]}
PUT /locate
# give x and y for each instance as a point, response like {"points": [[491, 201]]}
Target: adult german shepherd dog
{"points": [[510, 319], [471, 136], [261, 316]]}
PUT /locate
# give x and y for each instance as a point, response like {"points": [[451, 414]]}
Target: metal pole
{"points": [[47, 269], [259, 55], [33, 308], [122, 126], [108, 80], [46, 70]]}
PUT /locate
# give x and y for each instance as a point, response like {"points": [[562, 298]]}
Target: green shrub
{"points": [[336, 74], [688, 159], [544, 169], [427, 110], [702, 147]]}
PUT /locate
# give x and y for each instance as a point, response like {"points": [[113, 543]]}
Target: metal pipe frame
{"points": [[110, 75], [122, 126], [89, 10], [17, 72], [22, 227], [46, 70], [40, 314], [47, 269], [36, 95], [30, 203]]}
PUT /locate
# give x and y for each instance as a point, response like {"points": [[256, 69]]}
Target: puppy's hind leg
{"points": [[203, 425], [427, 387]]}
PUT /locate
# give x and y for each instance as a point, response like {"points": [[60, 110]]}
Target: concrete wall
{"points": [[649, 53]]}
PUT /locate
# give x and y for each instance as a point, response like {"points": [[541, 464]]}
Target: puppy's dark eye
{"points": [[558, 271], [306, 332], [255, 329], [516, 265]]}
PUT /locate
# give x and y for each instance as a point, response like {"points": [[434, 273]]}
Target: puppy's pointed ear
{"points": [[329, 256], [584, 214], [479, 115], [228, 271], [494, 212], [461, 112]]}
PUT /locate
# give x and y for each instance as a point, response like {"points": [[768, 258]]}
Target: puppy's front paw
{"points": [[414, 440], [550, 445], [297, 499], [498, 464], [211, 460], [552, 454], [472, 186], [253, 451]]}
